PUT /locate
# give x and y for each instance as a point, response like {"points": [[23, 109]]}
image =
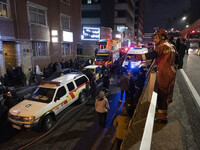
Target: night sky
{"points": [[157, 12]]}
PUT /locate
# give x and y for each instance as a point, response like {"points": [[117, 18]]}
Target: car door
{"points": [[72, 95], [60, 100]]}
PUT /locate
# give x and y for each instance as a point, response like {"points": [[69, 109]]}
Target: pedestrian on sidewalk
{"points": [[124, 82], [181, 53], [121, 123], [102, 107]]}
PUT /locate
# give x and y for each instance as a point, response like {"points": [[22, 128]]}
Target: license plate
{"points": [[16, 126]]}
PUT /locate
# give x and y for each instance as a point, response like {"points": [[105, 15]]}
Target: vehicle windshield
{"points": [[44, 95], [131, 57], [102, 58]]}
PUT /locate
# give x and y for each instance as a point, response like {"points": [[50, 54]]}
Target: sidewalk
{"points": [[180, 133]]}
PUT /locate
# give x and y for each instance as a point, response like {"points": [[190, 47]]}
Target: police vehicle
{"points": [[48, 100]]}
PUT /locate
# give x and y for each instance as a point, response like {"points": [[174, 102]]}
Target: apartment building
{"points": [[119, 15], [139, 20], [38, 32]]}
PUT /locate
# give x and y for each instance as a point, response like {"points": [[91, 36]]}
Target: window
{"points": [[65, 21], [66, 1], [39, 48], [70, 86], [61, 92], [66, 49], [121, 13], [80, 81], [37, 15], [3, 8]]}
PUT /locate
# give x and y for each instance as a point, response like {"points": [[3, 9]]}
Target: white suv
{"points": [[49, 99]]}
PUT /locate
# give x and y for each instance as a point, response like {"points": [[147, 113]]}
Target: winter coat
{"points": [[121, 124], [102, 106], [124, 83]]}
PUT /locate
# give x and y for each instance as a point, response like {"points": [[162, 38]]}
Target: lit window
{"points": [[89, 1], [65, 21], [39, 48], [3, 8], [37, 15], [66, 49]]}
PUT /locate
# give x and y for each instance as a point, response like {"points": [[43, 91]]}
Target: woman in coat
{"points": [[121, 123], [102, 107]]}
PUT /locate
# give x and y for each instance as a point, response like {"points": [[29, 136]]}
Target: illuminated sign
{"points": [[118, 36], [54, 32], [67, 36], [54, 39], [91, 33]]}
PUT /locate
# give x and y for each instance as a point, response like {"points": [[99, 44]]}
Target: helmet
{"points": [[161, 33]]}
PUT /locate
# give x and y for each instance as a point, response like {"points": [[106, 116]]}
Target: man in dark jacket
{"points": [[131, 89], [124, 85], [181, 53]]}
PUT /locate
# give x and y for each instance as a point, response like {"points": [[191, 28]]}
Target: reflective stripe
{"points": [[162, 111]]}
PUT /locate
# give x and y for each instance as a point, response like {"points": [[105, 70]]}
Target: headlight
{"points": [[28, 119]]}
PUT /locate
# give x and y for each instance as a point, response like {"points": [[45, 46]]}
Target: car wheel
{"points": [[47, 123], [82, 97]]}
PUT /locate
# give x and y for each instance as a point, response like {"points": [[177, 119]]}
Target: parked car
{"points": [[60, 73], [48, 100], [94, 69]]}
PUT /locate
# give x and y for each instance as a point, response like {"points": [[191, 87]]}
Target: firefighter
{"points": [[165, 59]]}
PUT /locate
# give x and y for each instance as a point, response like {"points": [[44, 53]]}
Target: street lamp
{"points": [[184, 18]]}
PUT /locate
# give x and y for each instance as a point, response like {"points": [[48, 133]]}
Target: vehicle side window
{"points": [[80, 81], [70, 86], [61, 92]]}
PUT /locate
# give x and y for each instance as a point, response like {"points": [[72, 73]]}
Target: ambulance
{"points": [[49, 99], [131, 63]]}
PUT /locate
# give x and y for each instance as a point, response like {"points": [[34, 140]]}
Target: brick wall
{"points": [[2, 60]]}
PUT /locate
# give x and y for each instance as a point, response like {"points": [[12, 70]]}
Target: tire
{"points": [[47, 123], [82, 97]]}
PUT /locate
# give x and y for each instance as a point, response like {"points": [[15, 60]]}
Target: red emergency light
{"points": [[126, 49], [193, 31]]}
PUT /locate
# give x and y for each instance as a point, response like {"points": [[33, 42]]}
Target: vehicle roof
{"points": [[61, 80], [137, 50], [91, 67], [103, 51]]}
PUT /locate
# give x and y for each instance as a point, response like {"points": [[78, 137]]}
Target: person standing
{"points": [[124, 82], [121, 123], [102, 107], [165, 59], [131, 89], [181, 53], [93, 85]]}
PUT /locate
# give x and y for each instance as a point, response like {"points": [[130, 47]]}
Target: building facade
{"points": [[119, 15], [139, 20], [38, 32]]}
